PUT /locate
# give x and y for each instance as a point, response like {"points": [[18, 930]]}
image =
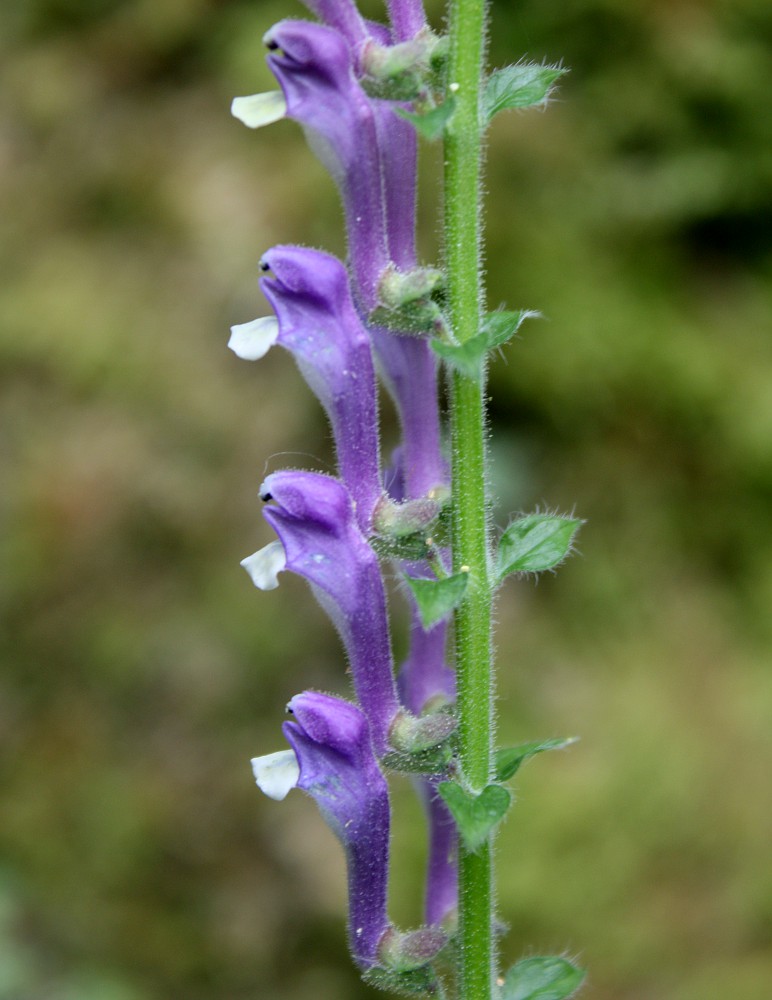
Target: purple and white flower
{"points": [[317, 322], [332, 760], [314, 517]]}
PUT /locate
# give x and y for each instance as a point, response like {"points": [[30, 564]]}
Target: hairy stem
{"points": [[463, 168]]}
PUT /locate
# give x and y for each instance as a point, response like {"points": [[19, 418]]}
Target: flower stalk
{"points": [[469, 532]]}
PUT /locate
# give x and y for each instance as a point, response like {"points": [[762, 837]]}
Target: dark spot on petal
{"points": [[272, 45], [264, 266], [265, 497]]}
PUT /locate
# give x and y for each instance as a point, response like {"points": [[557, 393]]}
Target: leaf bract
{"points": [[534, 543], [475, 815], [542, 978], [437, 598], [509, 759], [524, 85]]}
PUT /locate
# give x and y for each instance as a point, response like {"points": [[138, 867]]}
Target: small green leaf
{"points": [[475, 815], [543, 978], [508, 760], [466, 358], [431, 124], [535, 543], [437, 598], [499, 327], [525, 85]]}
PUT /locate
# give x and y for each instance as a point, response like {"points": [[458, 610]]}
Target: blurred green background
{"points": [[141, 670]]}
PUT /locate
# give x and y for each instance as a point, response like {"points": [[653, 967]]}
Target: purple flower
{"points": [[332, 760], [319, 539], [317, 322], [315, 68]]}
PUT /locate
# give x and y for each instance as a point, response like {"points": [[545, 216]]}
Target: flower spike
{"points": [[317, 322]]}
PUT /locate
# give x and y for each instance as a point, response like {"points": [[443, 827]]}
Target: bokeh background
{"points": [[141, 670]]}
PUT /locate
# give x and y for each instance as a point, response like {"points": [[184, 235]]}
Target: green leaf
{"points": [[466, 358], [525, 85], [535, 543], [543, 978], [497, 329], [430, 124], [475, 815], [508, 760], [437, 598]]}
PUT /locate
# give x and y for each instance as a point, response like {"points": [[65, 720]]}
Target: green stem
{"points": [[463, 168]]}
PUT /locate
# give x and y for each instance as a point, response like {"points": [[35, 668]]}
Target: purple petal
{"points": [[407, 18], [424, 678], [399, 150], [309, 292], [313, 515], [441, 899], [338, 770], [409, 368], [343, 16]]}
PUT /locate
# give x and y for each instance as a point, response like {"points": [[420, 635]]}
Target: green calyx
{"points": [[422, 744], [408, 71], [412, 530], [405, 961], [400, 520], [410, 301]]}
